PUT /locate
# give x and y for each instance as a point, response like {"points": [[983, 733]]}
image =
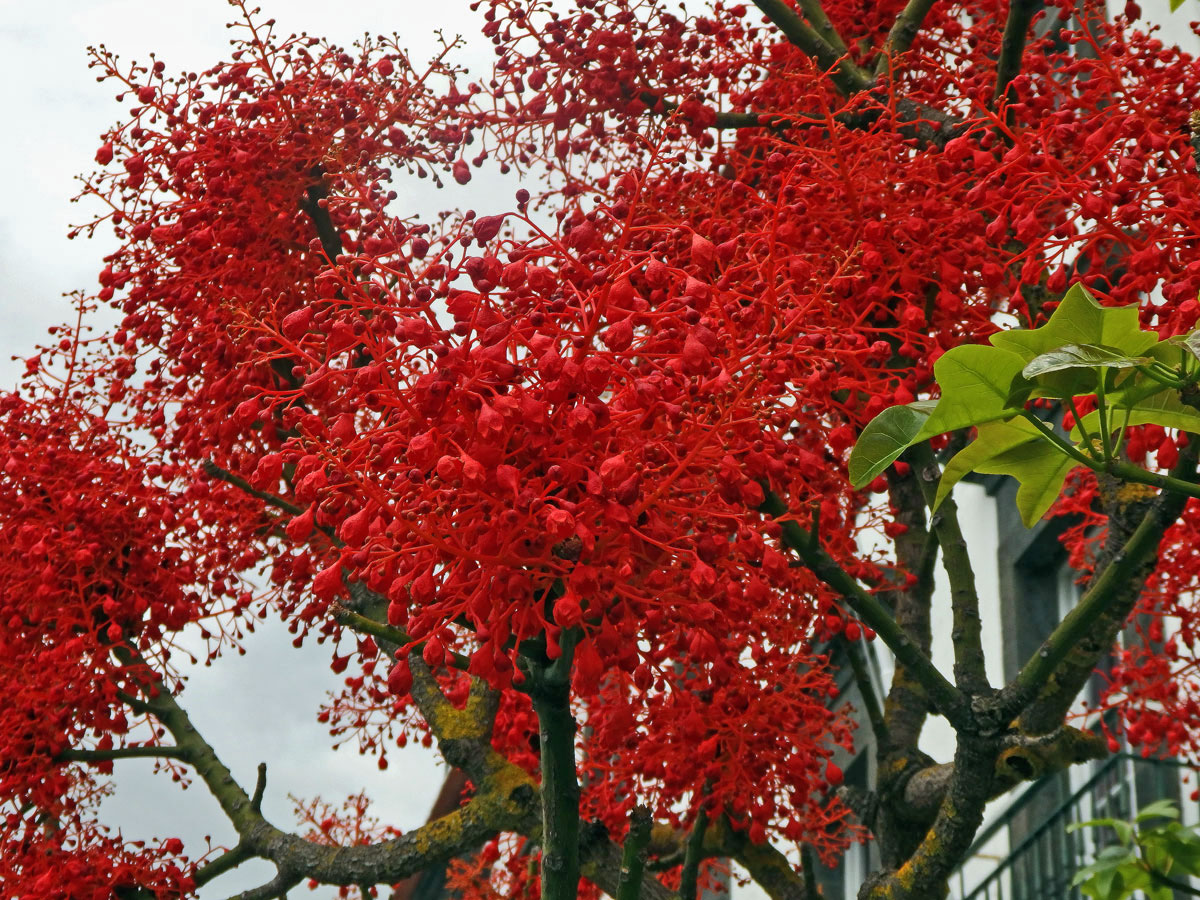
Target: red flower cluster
{"points": [[519, 426]]}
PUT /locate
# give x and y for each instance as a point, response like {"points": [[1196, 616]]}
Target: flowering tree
{"points": [[565, 486]]}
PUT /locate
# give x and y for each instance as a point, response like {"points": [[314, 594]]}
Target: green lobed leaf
{"points": [[1159, 809], [1079, 319], [1179, 844], [1191, 343], [887, 436], [976, 382], [992, 439], [1076, 369], [1160, 408], [1081, 356], [1039, 466], [1172, 351]]}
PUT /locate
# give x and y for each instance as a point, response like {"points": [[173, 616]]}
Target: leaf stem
{"points": [[1124, 471], [1102, 414], [1065, 446]]}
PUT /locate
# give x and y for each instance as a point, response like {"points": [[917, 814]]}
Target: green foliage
{"points": [[1154, 854], [1085, 350]]}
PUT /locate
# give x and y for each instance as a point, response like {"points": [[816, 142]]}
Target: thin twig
{"points": [[945, 697], [214, 471], [83, 755], [866, 688], [260, 788]]}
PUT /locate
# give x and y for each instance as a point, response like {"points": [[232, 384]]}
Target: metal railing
{"points": [[1044, 858]]}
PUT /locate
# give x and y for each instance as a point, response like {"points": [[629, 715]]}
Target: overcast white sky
{"points": [[260, 707]]}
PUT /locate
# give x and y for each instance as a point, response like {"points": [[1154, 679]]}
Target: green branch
{"points": [[1178, 886], [1138, 475], [1122, 470], [550, 691], [214, 471], [1012, 44], [966, 630], [903, 32], [633, 857], [82, 755], [866, 687], [391, 635], [847, 76], [1112, 584], [815, 13], [693, 854], [945, 697]]}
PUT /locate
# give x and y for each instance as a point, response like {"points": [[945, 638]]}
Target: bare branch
{"points": [[866, 688], [260, 788], [815, 13], [966, 631], [946, 698], [84, 755], [505, 801], [907, 703], [848, 77], [693, 851], [1057, 671], [277, 887], [808, 867], [1023, 758], [214, 471], [633, 858], [903, 32], [226, 862], [1194, 135], [600, 863], [313, 205], [463, 735], [924, 873], [773, 872], [549, 687], [1012, 45]]}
